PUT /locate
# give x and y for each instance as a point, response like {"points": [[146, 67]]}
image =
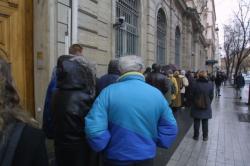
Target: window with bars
{"points": [[177, 46], [161, 37], [127, 35]]}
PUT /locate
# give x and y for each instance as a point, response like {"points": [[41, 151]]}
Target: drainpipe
{"points": [[249, 95], [74, 21], [171, 8]]}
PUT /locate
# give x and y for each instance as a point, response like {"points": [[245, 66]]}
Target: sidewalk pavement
{"points": [[229, 139]]}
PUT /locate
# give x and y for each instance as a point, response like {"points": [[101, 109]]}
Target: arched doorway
{"points": [[161, 37], [177, 46]]}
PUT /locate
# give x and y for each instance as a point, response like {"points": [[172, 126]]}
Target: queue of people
{"points": [[117, 119], [192, 90]]}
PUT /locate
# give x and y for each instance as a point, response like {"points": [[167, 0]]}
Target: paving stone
{"points": [[229, 143], [172, 163]]}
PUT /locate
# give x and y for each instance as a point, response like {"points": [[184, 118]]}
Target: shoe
{"points": [[195, 138], [240, 97], [205, 139], [219, 95]]}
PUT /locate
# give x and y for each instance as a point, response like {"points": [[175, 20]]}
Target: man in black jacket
{"points": [[70, 104], [158, 80], [74, 50], [240, 83], [218, 81], [109, 78]]}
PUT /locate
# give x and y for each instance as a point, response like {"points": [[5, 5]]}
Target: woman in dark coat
{"points": [[201, 111], [17, 128], [70, 104]]}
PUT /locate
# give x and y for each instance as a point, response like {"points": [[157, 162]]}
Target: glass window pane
{"points": [[161, 37], [128, 38], [177, 46]]}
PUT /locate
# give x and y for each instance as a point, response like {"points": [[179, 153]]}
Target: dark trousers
{"points": [[139, 163], [183, 100], [204, 127], [217, 90], [76, 155]]}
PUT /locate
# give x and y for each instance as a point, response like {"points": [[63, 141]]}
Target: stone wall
{"points": [[44, 45], [96, 32]]}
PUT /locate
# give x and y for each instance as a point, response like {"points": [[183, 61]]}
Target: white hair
{"points": [[183, 72], [130, 63]]}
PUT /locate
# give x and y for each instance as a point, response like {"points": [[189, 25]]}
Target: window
{"points": [[177, 45], [161, 37], [127, 35]]}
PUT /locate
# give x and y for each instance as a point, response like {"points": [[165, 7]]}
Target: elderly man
{"points": [[130, 118]]}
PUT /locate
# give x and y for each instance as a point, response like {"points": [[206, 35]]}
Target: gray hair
{"points": [[130, 63]]}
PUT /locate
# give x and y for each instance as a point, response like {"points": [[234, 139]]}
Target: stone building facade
{"points": [[162, 31], [206, 10]]}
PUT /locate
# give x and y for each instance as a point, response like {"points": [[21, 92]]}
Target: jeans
{"points": [[204, 127], [149, 162], [238, 92], [76, 155], [217, 90]]}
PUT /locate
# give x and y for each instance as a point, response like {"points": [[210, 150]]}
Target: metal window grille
{"points": [[177, 46], [127, 35], [161, 37]]}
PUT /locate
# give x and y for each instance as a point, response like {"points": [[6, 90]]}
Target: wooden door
{"points": [[16, 46]]}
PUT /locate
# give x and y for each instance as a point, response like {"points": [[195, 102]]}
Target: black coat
{"points": [[159, 81], [218, 80], [240, 81], [207, 89], [31, 149], [71, 102], [188, 93]]}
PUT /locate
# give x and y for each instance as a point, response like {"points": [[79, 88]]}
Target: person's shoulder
{"points": [[153, 92], [162, 76], [181, 76], [33, 132], [111, 88], [31, 138], [103, 77]]}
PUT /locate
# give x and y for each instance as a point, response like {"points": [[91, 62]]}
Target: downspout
{"points": [[75, 21], [171, 9]]}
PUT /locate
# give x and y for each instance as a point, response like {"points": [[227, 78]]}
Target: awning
{"points": [[211, 62]]}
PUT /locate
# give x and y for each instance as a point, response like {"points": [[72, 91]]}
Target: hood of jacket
{"points": [[74, 73]]}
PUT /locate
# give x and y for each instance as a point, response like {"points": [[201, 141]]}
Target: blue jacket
{"points": [[129, 119], [105, 81], [47, 114]]}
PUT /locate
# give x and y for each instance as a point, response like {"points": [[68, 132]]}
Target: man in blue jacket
{"points": [[109, 78], [130, 119]]}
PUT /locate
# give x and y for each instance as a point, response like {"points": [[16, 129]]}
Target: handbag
{"points": [[201, 100], [9, 142]]}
